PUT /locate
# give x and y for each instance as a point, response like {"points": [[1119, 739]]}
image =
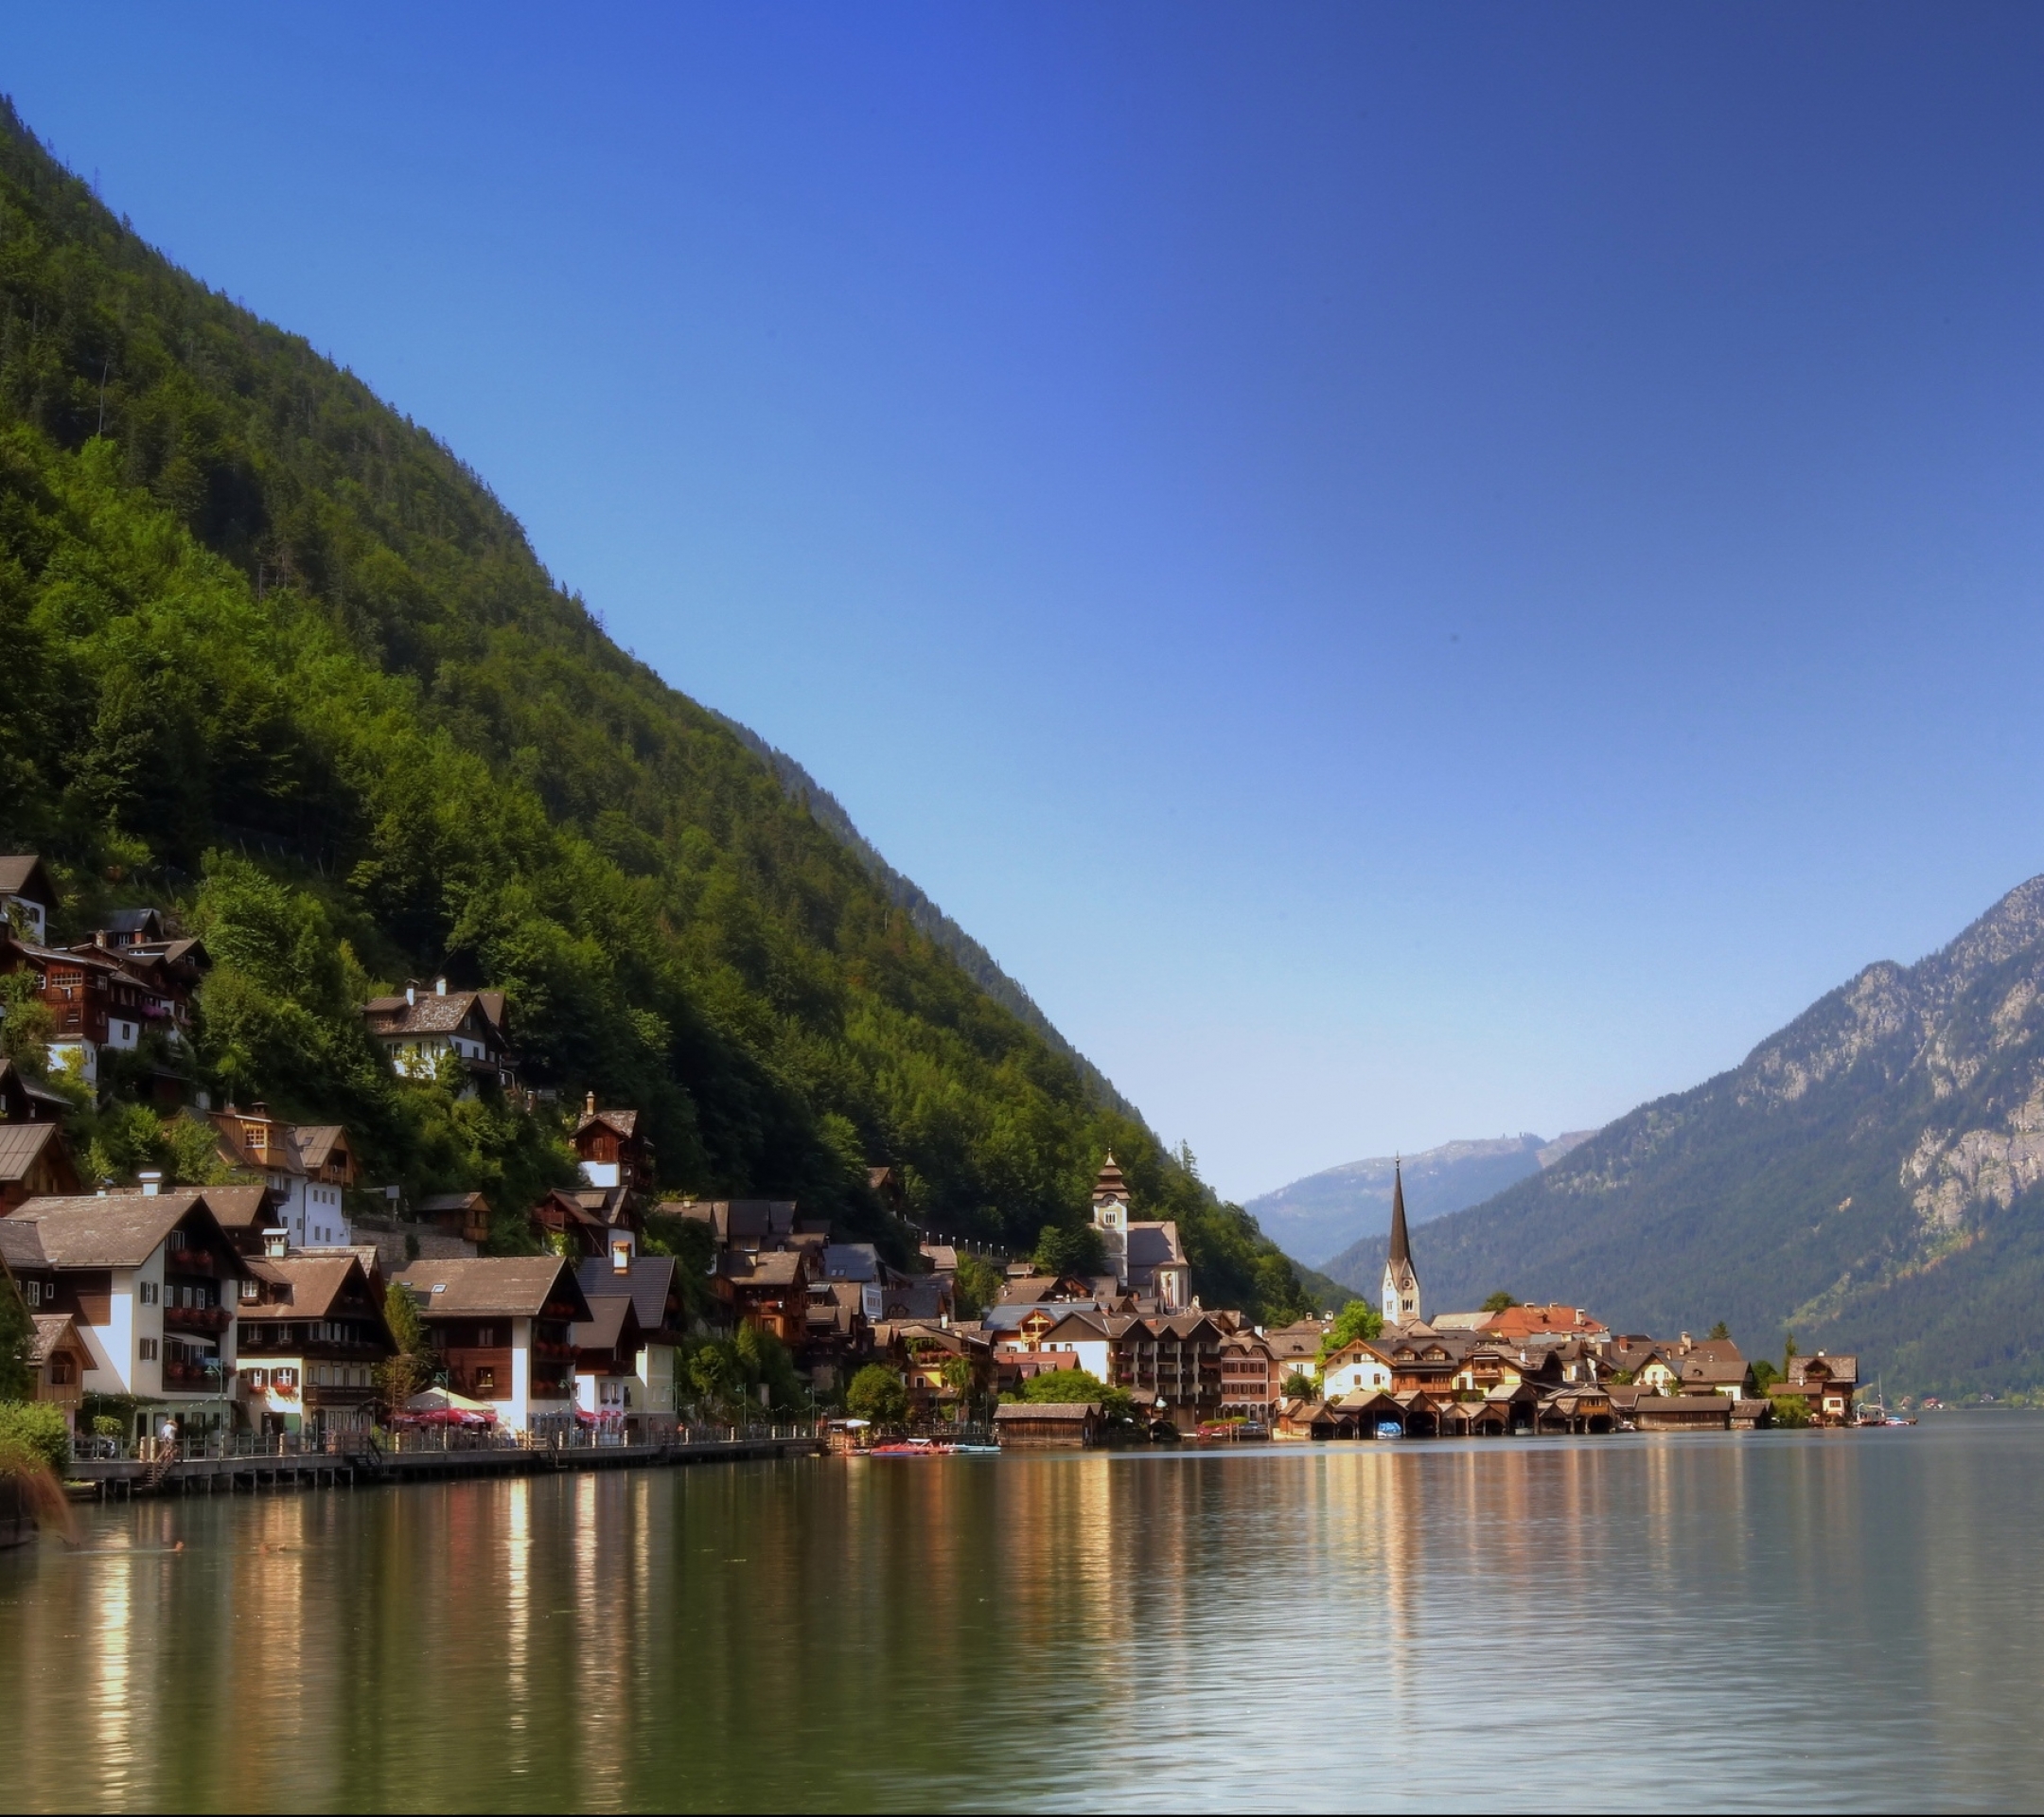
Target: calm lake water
{"points": [[1842, 1621]]}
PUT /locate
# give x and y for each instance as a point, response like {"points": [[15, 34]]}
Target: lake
{"points": [[1841, 1620]]}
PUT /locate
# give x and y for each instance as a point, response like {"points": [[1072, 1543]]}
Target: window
{"points": [[257, 1378], [32, 1292], [62, 1373], [485, 1381], [149, 1292], [149, 1350], [252, 1290]]}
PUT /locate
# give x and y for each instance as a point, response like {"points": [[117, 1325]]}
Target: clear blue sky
{"points": [[1411, 572]]}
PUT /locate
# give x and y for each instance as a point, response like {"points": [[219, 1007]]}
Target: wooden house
{"points": [[612, 1151], [311, 1336], [431, 1023], [504, 1328], [1047, 1425]]}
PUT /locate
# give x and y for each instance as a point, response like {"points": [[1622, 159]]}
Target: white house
{"points": [[503, 1327], [307, 1168], [151, 1281], [1355, 1369]]}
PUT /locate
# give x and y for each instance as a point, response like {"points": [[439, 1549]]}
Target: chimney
{"points": [[621, 1252], [100, 938], [1688, 1343], [275, 1241], [411, 996], [152, 1183], [440, 986], [589, 1105]]}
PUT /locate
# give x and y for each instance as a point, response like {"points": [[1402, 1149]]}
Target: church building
{"points": [[1148, 1259], [1401, 1298]]}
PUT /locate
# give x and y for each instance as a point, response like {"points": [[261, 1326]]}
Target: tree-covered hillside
{"points": [[276, 656], [1871, 1179]]}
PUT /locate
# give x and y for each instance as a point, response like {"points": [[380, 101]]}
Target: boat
{"points": [[911, 1448]]}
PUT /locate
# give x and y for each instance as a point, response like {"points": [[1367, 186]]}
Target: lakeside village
{"points": [[272, 1315]]}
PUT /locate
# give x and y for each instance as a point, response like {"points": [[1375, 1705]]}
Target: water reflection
{"points": [[1844, 1620]]}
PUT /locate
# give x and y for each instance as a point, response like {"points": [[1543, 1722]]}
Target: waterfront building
{"points": [[1398, 1293], [59, 1357], [1047, 1425], [1824, 1384], [504, 1328], [150, 1281], [654, 1288], [608, 1345], [1249, 1379], [312, 1331], [1358, 1367]]}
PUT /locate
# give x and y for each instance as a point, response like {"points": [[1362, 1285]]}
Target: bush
{"points": [[32, 1436], [1790, 1410], [1358, 1319], [1298, 1385]]}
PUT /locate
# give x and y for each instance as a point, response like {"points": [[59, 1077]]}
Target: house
{"points": [[503, 1329], [767, 1289], [1516, 1324], [428, 1025], [307, 1169], [1296, 1350], [654, 1287], [1676, 1412], [28, 896], [313, 1332], [25, 1101], [464, 1216], [606, 1348], [579, 1221], [750, 1225], [941, 1365], [150, 1281], [247, 1213], [1358, 1367], [1823, 1384], [1249, 1377], [1714, 1366], [611, 1150], [1170, 1364], [34, 1163], [1148, 1259], [57, 1355], [1047, 1425]]}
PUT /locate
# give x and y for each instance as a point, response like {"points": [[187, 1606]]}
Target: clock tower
{"points": [[1111, 1216]]}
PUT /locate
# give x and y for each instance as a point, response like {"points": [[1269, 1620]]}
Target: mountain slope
{"points": [[1330, 1211], [1868, 1178], [276, 656]]}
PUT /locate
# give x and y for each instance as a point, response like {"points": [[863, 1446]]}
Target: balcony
{"points": [[195, 1318], [190, 1261]]}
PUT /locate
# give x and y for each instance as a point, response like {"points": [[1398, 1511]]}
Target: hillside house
{"points": [[307, 1168], [28, 896], [428, 1025], [1148, 1259], [35, 1162], [611, 1150]]}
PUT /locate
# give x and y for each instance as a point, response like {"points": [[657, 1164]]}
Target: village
{"points": [[294, 1311]]}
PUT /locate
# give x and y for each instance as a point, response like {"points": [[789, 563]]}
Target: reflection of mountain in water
{"points": [[1327, 1214]]}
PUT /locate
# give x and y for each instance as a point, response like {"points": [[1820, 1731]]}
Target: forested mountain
{"points": [[1328, 1213], [1869, 1180], [275, 655]]}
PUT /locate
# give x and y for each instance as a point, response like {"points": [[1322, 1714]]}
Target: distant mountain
{"points": [[1871, 1179], [1327, 1212]]}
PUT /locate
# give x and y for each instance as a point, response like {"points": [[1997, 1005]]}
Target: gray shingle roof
{"points": [[461, 1287]]}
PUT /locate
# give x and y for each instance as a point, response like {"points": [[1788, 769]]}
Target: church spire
{"points": [[1401, 1297], [1401, 1243]]}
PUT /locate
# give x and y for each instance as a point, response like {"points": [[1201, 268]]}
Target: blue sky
{"points": [[1412, 572]]}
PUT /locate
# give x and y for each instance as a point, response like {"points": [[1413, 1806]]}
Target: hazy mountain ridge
{"points": [[1866, 1177], [1330, 1212]]}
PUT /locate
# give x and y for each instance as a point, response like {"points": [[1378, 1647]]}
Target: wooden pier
{"points": [[120, 1479]]}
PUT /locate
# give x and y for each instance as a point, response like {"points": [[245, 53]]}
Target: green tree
{"points": [[1764, 1374], [1499, 1301], [1071, 1250], [1357, 1319], [17, 1338], [412, 1367], [976, 1286], [876, 1393], [34, 1431], [1298, 1385], [1720, 1330], [1066, 1387], [1790, 1410]]}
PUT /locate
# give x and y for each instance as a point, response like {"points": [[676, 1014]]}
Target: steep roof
{"points": [[21, 1245], [242, 1207], [315, 1284], [770, 1268], [612, 1319], [649, 1282], [1153, 1246], [850, 1262], [108, 1229], [22, 1145], [51, 1329], [21, 874], [315, 1142], [624, 1121], [1400, 1255], [464, 1286], [1108, 1183]]}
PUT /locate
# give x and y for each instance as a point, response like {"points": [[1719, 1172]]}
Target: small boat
{"points": [[1389, 1429], [911, 1448]]}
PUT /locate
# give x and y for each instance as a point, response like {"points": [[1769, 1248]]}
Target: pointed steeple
{"points": [[1400, 1291], [1401, 1244]]}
